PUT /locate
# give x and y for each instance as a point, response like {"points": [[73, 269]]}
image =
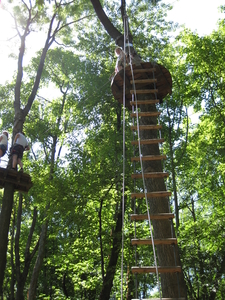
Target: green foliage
{"points": [[76, 159]]}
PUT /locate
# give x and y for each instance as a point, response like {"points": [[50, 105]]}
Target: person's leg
{"points": [[19, 161], [14, 161]]}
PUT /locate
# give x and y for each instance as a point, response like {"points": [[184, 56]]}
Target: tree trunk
{"points": [[111, 268], [21, 276], [173, 284], [7, 204], [38, 263]]}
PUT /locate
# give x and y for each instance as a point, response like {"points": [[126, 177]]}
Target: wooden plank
{"points": [[148, 157], [135, 71], [160, 299], [160, 216], [148, 142], [144, 270], [143, 81], [152, 91], [168, 241], [146, 127], [139, 102], [150, 175], [146, 114], [151, 194], [16, 182]]}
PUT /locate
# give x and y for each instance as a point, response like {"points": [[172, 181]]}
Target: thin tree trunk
{"points": [[21, 276], [7, 204], [38, 263], [115, 251]]}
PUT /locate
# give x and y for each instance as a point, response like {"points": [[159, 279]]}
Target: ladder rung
{"points": [[172, 269], [160, 299], [148, 142], [146, 114], [148, 157], [151, 194], [143, 80], [151, 175], [160, 216], [139, 102], [152, 91], [144, 70], [168, 241], [146, 127]]}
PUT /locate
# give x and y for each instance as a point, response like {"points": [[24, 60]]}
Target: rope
{"points": [[124, 107], [142, 171]]}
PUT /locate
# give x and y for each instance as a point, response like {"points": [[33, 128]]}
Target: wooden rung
{"points": [[148, 157], [168, 241], [141, 270], [160, 299], [146, 127], [146, 114], [152, 91], [148, 142], [151, 194], [150, 175], [139, 102], [144, 70], [144, 80], [160, 216]]}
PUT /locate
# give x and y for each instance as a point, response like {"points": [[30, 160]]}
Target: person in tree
{"points": [[120, 59], [129, 53], [19, 145], [3, 143]]}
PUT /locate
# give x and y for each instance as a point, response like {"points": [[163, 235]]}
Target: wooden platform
{"points": [[21, 181], [142, 71]]}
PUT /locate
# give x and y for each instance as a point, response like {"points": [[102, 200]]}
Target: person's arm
{"points": [[1, 137], [16, 137]]}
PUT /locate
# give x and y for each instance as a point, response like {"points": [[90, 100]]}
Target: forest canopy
{"points": [[59, 241]]}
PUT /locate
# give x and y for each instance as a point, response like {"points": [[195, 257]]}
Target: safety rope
{"points": [[124, 107], [142, 170]]}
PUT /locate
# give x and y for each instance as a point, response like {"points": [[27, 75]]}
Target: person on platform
{"points": [[19, 145], [120, 59], [3, 143]]}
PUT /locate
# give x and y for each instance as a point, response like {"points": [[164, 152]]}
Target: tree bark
{"points": [[21, 276], [173, 284], [115, 251], [38, 263], [7, 204]]}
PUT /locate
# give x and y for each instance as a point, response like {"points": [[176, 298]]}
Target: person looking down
{"points": [[3, 143], [19, 145]]}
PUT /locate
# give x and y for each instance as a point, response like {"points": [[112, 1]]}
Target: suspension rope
{"points": [[124, 107], [142, 171]]}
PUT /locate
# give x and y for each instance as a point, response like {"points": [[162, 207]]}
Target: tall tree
{"points": [[171, 286], [25, 17]]}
